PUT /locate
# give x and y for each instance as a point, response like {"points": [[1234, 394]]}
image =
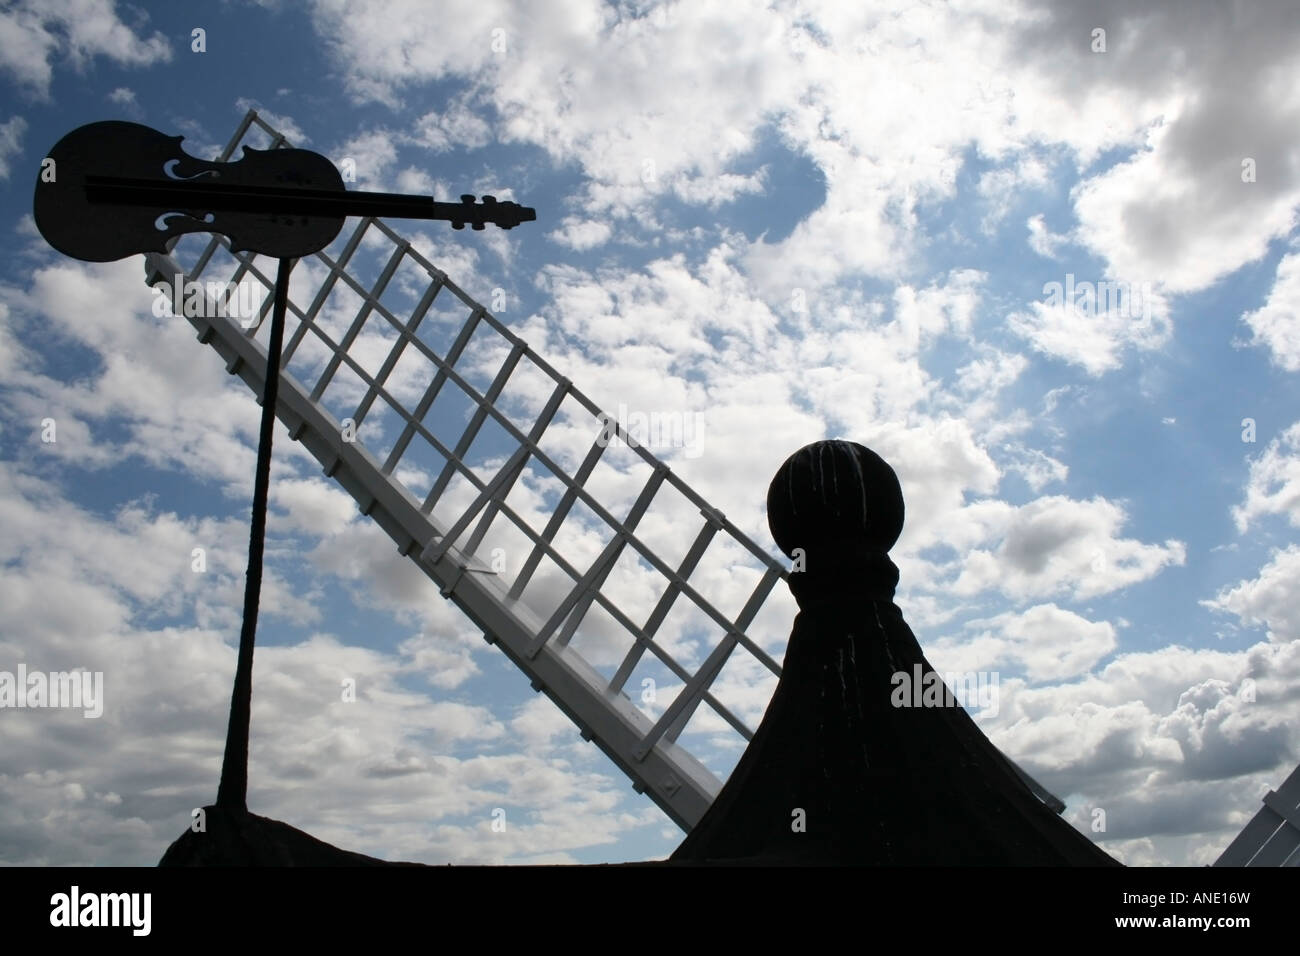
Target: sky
{"points": [[780, 222]]}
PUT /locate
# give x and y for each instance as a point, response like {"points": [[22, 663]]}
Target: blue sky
{"points": [[794, 221]]}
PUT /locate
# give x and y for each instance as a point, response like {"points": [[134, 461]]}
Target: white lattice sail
{"points": [[463, 445], [1272, 837]]}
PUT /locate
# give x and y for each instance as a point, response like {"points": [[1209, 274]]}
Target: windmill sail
{"points": [[464, 445], [1272, 837]]}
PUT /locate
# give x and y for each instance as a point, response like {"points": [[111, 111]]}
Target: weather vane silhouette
{"points": [[113, 189]]}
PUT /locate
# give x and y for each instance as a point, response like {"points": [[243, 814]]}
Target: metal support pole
{"points": [[232, 792]]}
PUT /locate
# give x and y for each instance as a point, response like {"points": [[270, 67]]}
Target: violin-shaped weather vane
{"points": [[286, 203], [114, 189]]}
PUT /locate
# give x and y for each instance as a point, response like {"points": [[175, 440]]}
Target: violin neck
{"points": [[292, 201]]}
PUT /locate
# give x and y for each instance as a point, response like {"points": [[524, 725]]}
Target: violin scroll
{"points": [[506, 214]]}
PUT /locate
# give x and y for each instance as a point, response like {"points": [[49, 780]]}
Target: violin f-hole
{"points": [[172, 174], [163, 225]]}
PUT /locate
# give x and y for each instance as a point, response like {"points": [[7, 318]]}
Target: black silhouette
{"points": [[232, 837], [835, 772], [118, 189]]}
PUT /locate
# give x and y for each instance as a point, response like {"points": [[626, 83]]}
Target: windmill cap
{"points": [[834, 491]]}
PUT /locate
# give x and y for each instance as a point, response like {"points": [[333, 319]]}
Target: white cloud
{"points": [[1276, 323], [443, 661], [314, 505], [713, 189], [1273, 486], [182, 410], [1048, 642], [1036, 467], [990, 374], [539, 721], [458, 127], [1272, 599], [1057, 545], [1092, 329], [11, 142], [1177, 213], [33, 32], [412, 180], [887, 130], [1041, 240], [1143, 720], [579, 234], [374, 152], [999, 188]]}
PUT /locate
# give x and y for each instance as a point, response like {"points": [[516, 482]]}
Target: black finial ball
{"points": [[834, 491]]}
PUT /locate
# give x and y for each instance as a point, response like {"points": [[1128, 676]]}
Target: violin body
{"points": [[103, 156], [113, 189]]}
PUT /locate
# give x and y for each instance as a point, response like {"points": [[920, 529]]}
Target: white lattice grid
{"points": [[499, 448]]}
